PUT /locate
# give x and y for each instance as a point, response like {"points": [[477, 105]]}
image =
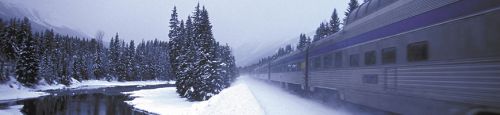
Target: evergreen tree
{"points": [[121, 65], [302, 42], [79, 71], [187, 59], [141, 60], [211, 83], [131, 62], [114, 57], [27, 62], [334, 23], [175, 43], [201, 63], [99, 69], [47, 69], [7, 51], [288, 49], [321, 32]]}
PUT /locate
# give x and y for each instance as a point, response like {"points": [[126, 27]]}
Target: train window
{"points": [[328, 61], [417, 51], [370, 58], [389, 55], [354, 60], [317, 62], [338, 59]]}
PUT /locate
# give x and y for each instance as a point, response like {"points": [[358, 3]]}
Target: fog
{"points": [[243, 24]]}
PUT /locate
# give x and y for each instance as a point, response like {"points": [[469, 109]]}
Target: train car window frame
{"points": [[338, 59], [389, 55], [354, 60], [370, 58], [328, 61], [317, 62], [417, 51]]}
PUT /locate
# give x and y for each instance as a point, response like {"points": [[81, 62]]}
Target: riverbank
{"points": [[43, 99]]}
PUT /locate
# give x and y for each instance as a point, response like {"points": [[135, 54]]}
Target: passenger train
{"points": [[415, 57]]}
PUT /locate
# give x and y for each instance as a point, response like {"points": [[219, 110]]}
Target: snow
{"points": [[277, 101], [161, 101], [94, 84], [246, 97], [12, 110], [17, 91]]}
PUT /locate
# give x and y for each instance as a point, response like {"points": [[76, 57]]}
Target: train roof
{"points": [[372, 15], [375, 14]]}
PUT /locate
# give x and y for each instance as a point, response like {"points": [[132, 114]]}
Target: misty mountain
{"points": [[9, 11], [247, 54]]}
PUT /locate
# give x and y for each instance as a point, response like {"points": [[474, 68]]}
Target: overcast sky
{"points": [[236, 22]]}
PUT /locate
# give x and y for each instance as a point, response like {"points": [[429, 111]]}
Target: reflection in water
{"points": [[82, 104]]}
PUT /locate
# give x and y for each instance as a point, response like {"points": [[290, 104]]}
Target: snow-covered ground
{"points": [[14, 90], [94, 84], [12, 110], [246, 97]]}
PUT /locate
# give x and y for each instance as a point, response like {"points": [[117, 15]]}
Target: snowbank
{"points": [[161, 101], [276, 101], [246, 97], [14, 91], [94, 84], [12, 110], [236, 100]]}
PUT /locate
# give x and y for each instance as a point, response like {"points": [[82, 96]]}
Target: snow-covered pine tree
{"points": [[3, 52], [321, 32], [164, 62], [200, 63], [79, 71], [9, 44], [47, 67], [288, 49], [141, 61], [114, 57], [27, 61], [334, 23], [226, 65], [232, 68], [130, 61], [186, 58], [174, 44], [121, 65], [302, 42], [211, 82], [99, 68]]}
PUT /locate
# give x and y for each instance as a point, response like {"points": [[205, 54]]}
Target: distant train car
{"points": [[421, 57]]}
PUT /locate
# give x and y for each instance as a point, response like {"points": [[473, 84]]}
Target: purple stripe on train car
{"points": [[448, 12]]}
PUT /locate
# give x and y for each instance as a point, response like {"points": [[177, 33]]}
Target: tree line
{"points": [[201, 65], [47, 57]]}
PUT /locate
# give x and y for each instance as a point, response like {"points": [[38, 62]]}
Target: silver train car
{"points": [[415, 57]]}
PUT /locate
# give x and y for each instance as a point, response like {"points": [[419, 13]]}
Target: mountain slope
{"points": [[9, 11]]}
